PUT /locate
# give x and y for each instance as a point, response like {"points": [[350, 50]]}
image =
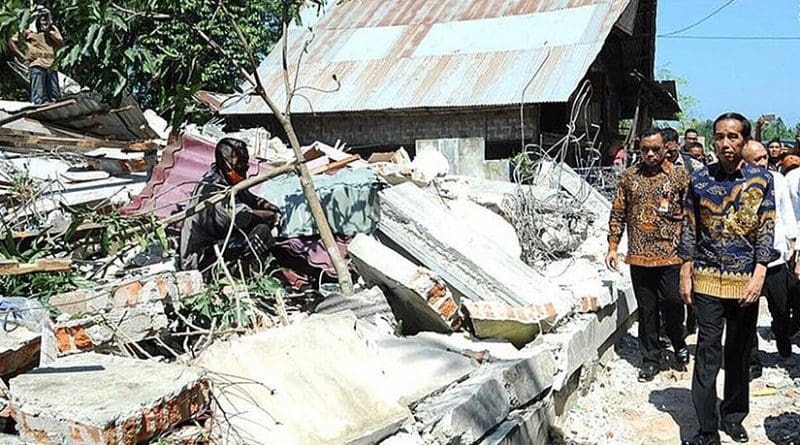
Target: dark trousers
{"points": [[713, 315], [656, 290], [250, 251], [776, 288], [44, 85]]}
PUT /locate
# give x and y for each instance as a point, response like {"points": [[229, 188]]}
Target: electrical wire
{"points": [[712, 14]]}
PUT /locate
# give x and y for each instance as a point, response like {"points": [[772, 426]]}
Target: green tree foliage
{"points": [[150, 49]]}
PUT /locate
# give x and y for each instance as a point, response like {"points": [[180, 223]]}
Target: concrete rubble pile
{"points": [[455, 334]]}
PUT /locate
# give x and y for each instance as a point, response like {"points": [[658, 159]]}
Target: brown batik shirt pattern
{"points": [[650, 205]]}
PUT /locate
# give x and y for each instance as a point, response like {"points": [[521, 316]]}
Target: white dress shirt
{"points": [[785, 217]]}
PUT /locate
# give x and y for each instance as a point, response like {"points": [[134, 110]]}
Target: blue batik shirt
{"points": [[728, 227]]}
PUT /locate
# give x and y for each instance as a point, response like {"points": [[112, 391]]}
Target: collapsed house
{"points": [[396, 73], [482, 304]]}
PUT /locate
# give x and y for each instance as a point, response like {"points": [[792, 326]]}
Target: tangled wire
{"points": [[547, 208]]}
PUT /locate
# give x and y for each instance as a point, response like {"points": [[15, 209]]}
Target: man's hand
{"points": [[612, 261], [761, 122], [752, 291], [797, 268], [685, 288]]}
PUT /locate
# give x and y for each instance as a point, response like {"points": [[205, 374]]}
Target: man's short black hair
{"points": [[746, 127], [695, 145], [225, 148], [647, 132], [669, 134], [773, 140], [689, 130]]}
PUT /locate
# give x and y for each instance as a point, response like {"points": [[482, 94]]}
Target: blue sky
{"points": [[748, 76]]}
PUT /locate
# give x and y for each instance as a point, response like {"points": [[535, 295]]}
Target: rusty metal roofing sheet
{"points": [[91, 116], [407, 54]]}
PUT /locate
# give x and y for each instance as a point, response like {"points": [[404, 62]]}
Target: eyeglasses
{"points": [[645, 150]]}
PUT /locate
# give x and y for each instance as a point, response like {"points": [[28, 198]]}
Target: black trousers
{"points": [[713, 315], [656, 290], [777, 285]]}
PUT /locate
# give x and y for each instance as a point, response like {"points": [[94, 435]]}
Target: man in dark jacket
{"points": [[249, 221]]}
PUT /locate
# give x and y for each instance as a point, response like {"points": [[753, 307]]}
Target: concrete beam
{"points": [[467, 259], [93, 399], [418, 296]]}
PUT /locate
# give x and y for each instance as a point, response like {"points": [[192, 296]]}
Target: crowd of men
{"points": [[711, 234]]}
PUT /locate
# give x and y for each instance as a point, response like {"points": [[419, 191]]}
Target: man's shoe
{"points": [[703, 439], [682, 356], [784, 347], [755, 372], [648, 373], [736, 431]]}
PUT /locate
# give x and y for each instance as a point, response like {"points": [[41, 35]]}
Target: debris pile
{"points": [[480, 303]]}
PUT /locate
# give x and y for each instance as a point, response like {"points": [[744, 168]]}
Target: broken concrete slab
{"points": [[313, 382], [414, 368], [524, 427], [8, 439], [462, 344], [119, 325], [465, 413], [597, 288], [467, 259], [419, 298], [518, 325], [483, 219], [527, 379], [98, 399], [404, 438], [19, 350], [581, 341], [368, 304], [129, 293]]}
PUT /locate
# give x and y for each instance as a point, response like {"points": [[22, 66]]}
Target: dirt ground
{"points": [[617, 409]]}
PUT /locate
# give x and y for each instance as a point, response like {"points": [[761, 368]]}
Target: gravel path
{"points": [[619, 410]]}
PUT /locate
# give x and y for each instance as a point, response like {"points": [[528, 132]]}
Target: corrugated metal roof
{"points": [[90, 115], [407, 54]]}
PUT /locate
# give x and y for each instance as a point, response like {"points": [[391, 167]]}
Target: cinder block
{"points": [[92, 399], [122, 325], [19, 350]]}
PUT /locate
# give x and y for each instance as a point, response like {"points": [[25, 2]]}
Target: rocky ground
{"points": [[619, 410]]}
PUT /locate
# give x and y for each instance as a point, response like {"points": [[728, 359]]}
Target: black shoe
{"points": [[703, 439], [736, 431], [755, 372], [784, 347], [648, 373], [682, 355]]}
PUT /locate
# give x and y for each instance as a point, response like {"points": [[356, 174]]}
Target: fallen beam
{"points": [[468, 260], [44, 265]]}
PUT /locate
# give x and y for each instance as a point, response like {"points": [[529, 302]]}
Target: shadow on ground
{"points": [[677, 402], [783, 429]]}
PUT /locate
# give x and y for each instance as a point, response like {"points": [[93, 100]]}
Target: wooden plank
{"points": [[42, 142], [44, 265], [335, 165], [41, 109]]}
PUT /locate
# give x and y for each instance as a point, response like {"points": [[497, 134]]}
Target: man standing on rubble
{"points": [[726, 246], [649, 203], [778, 281], [250, 220], [38, 50]]}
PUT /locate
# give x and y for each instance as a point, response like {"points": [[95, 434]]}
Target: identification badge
{"points": [[663, 205]]}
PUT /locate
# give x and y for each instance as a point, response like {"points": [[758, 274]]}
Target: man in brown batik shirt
{"points": [[649, 203]]}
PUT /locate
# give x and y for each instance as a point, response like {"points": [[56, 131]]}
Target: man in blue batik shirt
{"points": [[726, 245]]}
